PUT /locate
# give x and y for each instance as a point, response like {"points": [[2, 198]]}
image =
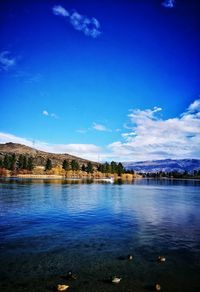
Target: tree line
{"points": [[172, 174], [74, 165], [11, 162], [23, 162], [112, 167]]}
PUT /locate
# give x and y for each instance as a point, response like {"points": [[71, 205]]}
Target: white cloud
{"points": [[87, 151], [195, 106], [100, 127], [89, 26], [52, 115], [168, 3], [45, 113], [6, 137], [148, 137], [82, 131], [138, 114], [128, 135], [59, 10], [6, 62], [151, 137]]}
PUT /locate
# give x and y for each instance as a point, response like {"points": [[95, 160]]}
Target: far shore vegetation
{"points": [[23, 165], [12, 165], [172, 174]]}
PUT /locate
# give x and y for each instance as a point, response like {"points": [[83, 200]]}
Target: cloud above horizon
{"points": [[47, 114], [89, 26], [168, 3], [100, 127], [150, 137], [6, 61], [59, 10], [87, 151]]}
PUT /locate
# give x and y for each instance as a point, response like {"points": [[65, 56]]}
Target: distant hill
{"points": [[39, 157], [166, 165]]}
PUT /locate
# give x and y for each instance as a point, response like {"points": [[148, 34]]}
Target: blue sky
{"points": [[104, 80]]}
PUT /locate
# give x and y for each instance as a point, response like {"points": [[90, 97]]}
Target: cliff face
{"points": [[39, 157]]}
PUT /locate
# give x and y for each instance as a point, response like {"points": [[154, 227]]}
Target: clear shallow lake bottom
{"points": [[48, 228]]}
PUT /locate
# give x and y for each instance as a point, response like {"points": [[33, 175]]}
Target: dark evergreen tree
{"points": [[30, 164], [24, 162], [65, 165], [100, 168], [107, 167], [74, 165], [89, 167], [48, 165], [20, 162], [83, 167], [113, 167], [120, 168], [6, 161], [12, 163], [1, 163]]}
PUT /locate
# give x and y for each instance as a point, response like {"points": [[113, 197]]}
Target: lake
{"points": [[48, 228]]}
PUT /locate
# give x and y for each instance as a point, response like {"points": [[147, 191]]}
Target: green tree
{"points": [[113, 167], [100, 168], [30, 164], [1, 163], [120, 168], [107, 167], [6, 161], [48, 165], [65, 165], [89, 167], [20, 161], [24, 162], [12, 163], [83, 167], [74, 165]]}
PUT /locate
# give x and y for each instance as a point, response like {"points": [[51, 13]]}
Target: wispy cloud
{"points": [[6, 137], [52, 115], [27, 77], [151, 137], [59, 10], [6, 61], [82, 131], [194, 107], [148, 137], [168, 3], [45, 113], [89, 26], [100, 127]]}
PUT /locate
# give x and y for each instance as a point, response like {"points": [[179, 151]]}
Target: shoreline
{"points": [[60, 177], [110, 178]]}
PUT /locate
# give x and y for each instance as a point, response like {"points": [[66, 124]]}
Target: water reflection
{"points": [[66, 224]]}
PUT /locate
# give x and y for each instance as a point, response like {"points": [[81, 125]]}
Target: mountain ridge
{"points": [[164, 165], [39, 156]]}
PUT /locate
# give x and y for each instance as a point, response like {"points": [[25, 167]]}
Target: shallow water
{"points": [[50, 227]]}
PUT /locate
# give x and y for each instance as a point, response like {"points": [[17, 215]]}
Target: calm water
{"points": [[50, 227]]}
